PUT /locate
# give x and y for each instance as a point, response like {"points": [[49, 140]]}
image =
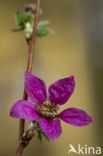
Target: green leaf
{"points": [[19, 19], [43, 23], [25, 22], [41, 31], [18, 29], [23, 19]]}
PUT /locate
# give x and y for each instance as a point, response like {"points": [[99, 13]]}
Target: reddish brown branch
{"points": [[22, 122], [29, 68]]}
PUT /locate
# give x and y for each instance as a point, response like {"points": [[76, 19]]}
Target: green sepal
{"points": [[39, 131], [43, 134], [37, 107], [40, 137], [57, 119], [59, 111]]}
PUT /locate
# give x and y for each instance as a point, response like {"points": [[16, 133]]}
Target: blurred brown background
{"points": [[76, 49]]}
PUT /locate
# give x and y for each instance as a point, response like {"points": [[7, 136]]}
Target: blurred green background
{"points": [[76, 48]]}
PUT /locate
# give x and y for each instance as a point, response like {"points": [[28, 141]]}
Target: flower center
{"points": [[48, 110]]}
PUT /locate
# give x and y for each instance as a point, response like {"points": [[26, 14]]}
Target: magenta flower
{"points": [[47, 112]]}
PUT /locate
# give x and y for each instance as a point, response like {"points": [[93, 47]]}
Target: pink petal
{"points": [[24, 110], [35, 88], [75, 117], [60, 91], [52, 128]]}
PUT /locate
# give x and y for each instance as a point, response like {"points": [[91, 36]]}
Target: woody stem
{"points": [[29, 68]]}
